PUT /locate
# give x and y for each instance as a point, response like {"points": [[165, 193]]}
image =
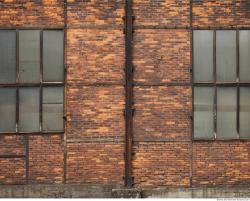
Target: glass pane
{"points": [[53, 95], [203, 56], [8, 109], [7, 56], [244, 55], [53, 109], [53, 117], [226, 56], [29, 99], [245, 112], [53, 69], [226, 113], [203, 112], [29, 56]]}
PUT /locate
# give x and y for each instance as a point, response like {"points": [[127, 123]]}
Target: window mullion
{"points": [[215, 91], [238, 80], [17, 81], [41, 79]]}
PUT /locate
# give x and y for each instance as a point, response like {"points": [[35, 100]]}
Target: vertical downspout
{"points": [[128, 93]]}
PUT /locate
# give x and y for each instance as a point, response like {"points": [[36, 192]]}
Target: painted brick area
{"points": [[92, 148]]}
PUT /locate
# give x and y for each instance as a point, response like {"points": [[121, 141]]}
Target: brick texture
{"points": [[162, 113], [221, 163], [46, 159], [12, 171], [161, 12], [12, 145], [95, 13], [225, 13], [99, 163], [32, 13], [95, 56], [95, 112], [161, 56], [95, 100], [162, 164]]}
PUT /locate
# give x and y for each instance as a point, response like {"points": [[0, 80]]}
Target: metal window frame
{"points": [[237, 84], [17, 85]]}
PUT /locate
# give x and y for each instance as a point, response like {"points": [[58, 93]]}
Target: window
{"points": [[31, 81], [221, 84]]}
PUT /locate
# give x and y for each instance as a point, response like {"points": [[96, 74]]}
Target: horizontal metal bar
{"points": [[161, 140], [221, 84], [95, 140], [221, 28], [31, 28], [12, 156], [136, 27], [33, 133], [95, 84], [32, 84], [223, 140], [162, 84]]}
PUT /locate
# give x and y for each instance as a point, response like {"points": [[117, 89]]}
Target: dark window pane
{"points": [[53, 117], [203, 55], [245, 112], [244, 55], [226, 56], [226, 113], [29, 56], [53, 109], [29, 109], [53, 95], [8, 109], [203, 112], [53, 69], [7, 56]]}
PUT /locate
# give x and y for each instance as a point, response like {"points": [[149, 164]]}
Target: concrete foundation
{"points": [[113, 191]]}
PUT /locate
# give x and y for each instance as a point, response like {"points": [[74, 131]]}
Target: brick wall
{"points": [[91, 150]]}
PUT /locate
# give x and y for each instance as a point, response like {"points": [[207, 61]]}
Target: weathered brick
{"points": [[46, 163], [92, 162], [95, 56], [12, 171], [161, 12], [162, 164], [162, 113], [161, 56]]}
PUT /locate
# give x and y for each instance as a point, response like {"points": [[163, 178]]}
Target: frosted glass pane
{"points": [[29, 56], [53, 69], [53, 117], [53, 95], [7, 56], [244, 55], [203, 55], [226, 113], [203, 112], [29, 99], [245, 112], [53, 109], [8, 109], [226, 56]]}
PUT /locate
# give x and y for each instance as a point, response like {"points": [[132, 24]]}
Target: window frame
{"points": [[17, 84], [215, 84]]}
